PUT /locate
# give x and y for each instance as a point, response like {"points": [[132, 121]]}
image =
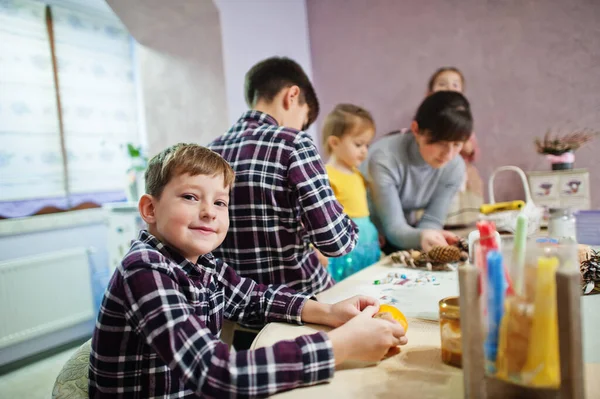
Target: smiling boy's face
{"points": [[191, 214]]}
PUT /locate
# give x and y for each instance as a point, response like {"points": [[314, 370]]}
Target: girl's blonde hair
{"points": [[342, 120]]}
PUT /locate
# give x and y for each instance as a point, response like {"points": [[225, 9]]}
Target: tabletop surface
{"points": [[418, 369]]}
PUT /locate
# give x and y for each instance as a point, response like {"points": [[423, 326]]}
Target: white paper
{"points": [[420, 301]]}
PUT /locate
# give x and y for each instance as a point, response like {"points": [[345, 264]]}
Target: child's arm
{"points": [[251, 303], [163, 316], [329, 228], [358, 336]]}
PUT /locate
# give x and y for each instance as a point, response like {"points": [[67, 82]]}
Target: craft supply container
{"points": [[539, 349], [450, 332]]}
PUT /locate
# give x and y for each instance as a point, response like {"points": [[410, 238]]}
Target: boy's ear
{"points": [[291, 96], [147, 209]]}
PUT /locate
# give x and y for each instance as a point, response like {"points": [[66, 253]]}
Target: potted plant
{"points": [[559, 149], [135, 173]]}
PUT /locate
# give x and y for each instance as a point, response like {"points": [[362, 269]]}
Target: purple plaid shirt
{"points": [[281, 202], [157, 334]]}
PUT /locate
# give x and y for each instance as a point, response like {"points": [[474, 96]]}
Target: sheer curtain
{"points": [[31, 161], [98, 95], [98, 104]]}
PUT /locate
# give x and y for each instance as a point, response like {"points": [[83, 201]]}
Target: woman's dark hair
{"points": [[267, 78], [440, 71], [445, 116]]}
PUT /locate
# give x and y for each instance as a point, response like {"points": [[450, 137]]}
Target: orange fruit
{"points": [[396, 315]]}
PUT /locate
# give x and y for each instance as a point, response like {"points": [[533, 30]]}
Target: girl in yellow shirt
{"points": [[347, 132]]}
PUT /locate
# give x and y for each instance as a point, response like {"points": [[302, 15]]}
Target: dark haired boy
{"points": [[282, 204]]}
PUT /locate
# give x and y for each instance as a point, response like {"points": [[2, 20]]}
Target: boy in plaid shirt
{"points": [[282, 206], [158, 329]]}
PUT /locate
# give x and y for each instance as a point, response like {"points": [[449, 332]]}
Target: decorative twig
{"points": [[565, 143]]}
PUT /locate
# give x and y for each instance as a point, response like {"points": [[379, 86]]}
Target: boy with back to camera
{"points": [[282, 204], [157, 333]]}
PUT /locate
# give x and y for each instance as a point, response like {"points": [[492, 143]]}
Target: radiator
{"points": [[44, 293]]}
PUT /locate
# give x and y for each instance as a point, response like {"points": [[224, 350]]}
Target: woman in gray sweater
{"points": [[419, 170]]}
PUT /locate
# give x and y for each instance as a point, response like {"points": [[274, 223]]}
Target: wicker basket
{"points": [[507, 220]]}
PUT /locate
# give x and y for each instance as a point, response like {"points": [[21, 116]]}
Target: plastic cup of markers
{"points": [[527, 346]]}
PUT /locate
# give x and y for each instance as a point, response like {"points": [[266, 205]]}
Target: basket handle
{"points": [[521, 174]]}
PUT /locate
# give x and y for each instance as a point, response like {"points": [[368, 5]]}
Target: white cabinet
{"points": [[124, 224], [561, 189]]}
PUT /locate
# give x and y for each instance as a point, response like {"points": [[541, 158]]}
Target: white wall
{"points": [[180, 69], [255, 30], [192, 71]]}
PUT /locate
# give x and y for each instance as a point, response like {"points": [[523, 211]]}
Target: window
{"points": [[64, 62]]}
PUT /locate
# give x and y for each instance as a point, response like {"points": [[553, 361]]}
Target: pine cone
{"points": [[444, 254], [463, 245], [590, 267], [584, 252]]}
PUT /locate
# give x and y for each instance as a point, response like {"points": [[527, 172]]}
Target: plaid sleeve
{"points": [[162, 315], [251, 303], [329, 228]]}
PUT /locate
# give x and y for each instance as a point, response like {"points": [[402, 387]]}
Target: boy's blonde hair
{"points": [[342, 120], [184, 158]]}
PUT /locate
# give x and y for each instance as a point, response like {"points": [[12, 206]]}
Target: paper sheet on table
{"points": [[421, 301]]}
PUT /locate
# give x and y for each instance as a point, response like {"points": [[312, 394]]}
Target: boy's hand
{"points": [[347, 309], [323, 260], [337, 314], [366, 338]]}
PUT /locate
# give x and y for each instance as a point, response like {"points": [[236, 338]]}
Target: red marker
{"points": [[488, 242]]}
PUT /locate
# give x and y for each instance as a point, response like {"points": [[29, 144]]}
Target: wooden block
{"points": [[568, 293], [472, 334], [498, 389]]}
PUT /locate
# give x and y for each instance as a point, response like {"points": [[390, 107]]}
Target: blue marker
{"points": [[546, 240], [496, 293]]}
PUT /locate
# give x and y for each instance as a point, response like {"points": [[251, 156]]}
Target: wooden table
{"points": [[416, 372]]}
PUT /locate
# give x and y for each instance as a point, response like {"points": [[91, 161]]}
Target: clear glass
{"points": [[561, 223]]}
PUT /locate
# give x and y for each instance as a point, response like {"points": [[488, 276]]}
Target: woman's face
{"points": [[447, 81], [436, 154]]}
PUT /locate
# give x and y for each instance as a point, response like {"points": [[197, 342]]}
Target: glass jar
{"points": [[561, 223], [450, 331]]}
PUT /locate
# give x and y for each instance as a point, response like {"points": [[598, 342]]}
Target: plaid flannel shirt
{"points": [[157, 334], [281, 202]]}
